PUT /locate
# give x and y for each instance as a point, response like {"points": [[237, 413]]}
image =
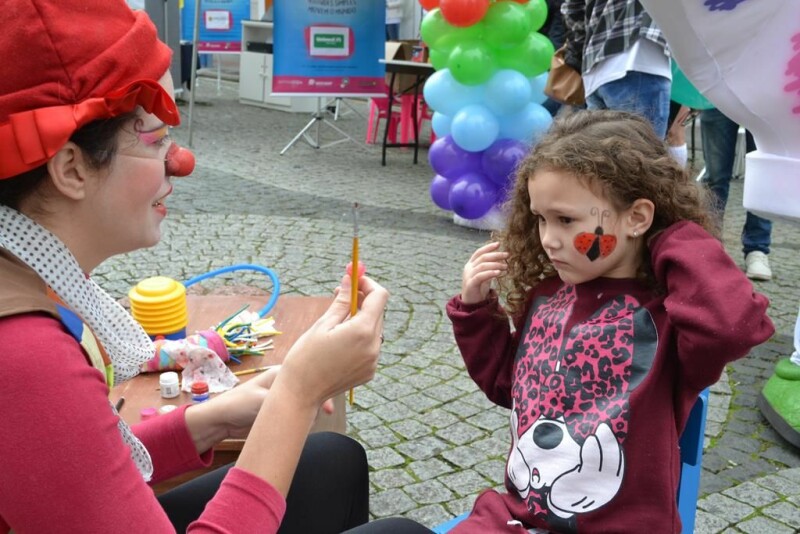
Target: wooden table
{"points": [[293, 316], [421, 71]]}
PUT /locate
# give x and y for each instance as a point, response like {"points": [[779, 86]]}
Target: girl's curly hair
{"points": [[617, 155]]}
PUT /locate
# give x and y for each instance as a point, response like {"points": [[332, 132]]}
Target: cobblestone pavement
{"points": [[433, 441]]}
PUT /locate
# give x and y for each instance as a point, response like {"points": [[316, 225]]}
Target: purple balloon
{"points": [[500, 160], [440, 192], [450, 160], [472, 195]]}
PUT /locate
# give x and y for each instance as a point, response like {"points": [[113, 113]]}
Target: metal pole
{"points": [[193, 78]]}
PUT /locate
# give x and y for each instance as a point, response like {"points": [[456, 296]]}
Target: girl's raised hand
{"points": [[485, 264]]}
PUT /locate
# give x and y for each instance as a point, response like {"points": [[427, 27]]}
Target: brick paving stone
{"points": [[391, 478], [764, 525], [465, 482], [728, 509], [785, 513], [706, 523], [752, 494], [430, 468], [390, 503], [460, 433], [429, 492]]}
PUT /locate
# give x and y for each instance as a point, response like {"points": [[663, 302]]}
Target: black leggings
{"points": [[329, 492]]}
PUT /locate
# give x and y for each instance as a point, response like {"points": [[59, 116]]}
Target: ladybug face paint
{"points": [[596, 245]]}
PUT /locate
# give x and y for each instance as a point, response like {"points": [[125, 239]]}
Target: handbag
{"points": [[564, 84]]}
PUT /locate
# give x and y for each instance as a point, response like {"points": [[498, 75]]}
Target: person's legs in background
{"points": [[392, 32], [718, 134], [638, 92]]}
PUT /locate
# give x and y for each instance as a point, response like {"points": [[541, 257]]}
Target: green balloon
{"points": [[436, 32], [507, 24], [537, 12], [684, 93], [471, 62], [438, 58], [531, 57], [433, 27]]}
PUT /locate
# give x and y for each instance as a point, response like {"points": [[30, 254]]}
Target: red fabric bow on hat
{"points": [[30, 138]]}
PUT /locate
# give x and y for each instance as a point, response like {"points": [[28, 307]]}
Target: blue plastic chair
{"points": [[691, 444]]}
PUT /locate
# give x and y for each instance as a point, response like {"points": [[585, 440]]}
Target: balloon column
{"points": [[486, 93]]}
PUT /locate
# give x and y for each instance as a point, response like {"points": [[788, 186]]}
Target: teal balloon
{"points": [[528, 125], [684, 93], [446, 95], [531, 57], [441, 124], [471, 62], [474, 128], [537, 88], [507, 91], [537, 13], [507, 24]]}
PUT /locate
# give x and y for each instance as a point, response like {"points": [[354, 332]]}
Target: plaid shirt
{"points": [[597, 29]]}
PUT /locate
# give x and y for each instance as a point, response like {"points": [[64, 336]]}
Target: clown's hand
{"points": [[519, 474], [595, 481]]}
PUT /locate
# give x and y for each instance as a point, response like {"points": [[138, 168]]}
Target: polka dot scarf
{"points": [[127, 344]]}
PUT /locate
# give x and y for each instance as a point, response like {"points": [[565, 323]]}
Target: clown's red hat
{"points": [[67, 63]]}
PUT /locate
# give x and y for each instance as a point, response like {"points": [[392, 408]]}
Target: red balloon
{"points": [[463, 13], [431, 4]]}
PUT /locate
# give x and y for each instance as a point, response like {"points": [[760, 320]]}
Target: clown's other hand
{"points": [[744, 57], [595, 481], [485, 264]]}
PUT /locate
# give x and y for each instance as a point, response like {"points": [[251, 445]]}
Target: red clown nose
{"points": [[179, 161]]}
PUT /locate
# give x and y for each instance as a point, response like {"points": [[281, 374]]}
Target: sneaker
{"points": [[757, 266]]}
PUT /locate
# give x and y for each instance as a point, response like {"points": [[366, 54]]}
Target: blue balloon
{"points": [[441, 124], [474, 128], [528, 125], [537, 88], [507, 91], [500, 160], [450, 160], [440, 192], [446, 95], [472, 195]]}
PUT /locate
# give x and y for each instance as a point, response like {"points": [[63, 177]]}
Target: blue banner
{"points": [[329, 47], [220, 24]]}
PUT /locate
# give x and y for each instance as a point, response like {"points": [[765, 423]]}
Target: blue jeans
{"points": [[638, 92], [718, 135], [392, 32]]}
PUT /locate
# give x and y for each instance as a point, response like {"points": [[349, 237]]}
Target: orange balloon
{"points": [[431, 4], [463, 13]]}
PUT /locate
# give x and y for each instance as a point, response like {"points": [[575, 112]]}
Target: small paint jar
{"points": [[168, 383], [147, 413], [167, 408], [199, 391]]}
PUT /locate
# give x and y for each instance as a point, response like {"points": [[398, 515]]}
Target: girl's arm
{"points": [[716, 314], [483, 333]]}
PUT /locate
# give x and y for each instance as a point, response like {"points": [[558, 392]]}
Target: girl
{"points": [[624, 306]]}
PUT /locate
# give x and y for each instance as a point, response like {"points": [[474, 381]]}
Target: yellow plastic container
{"points": [[159, 305]]}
